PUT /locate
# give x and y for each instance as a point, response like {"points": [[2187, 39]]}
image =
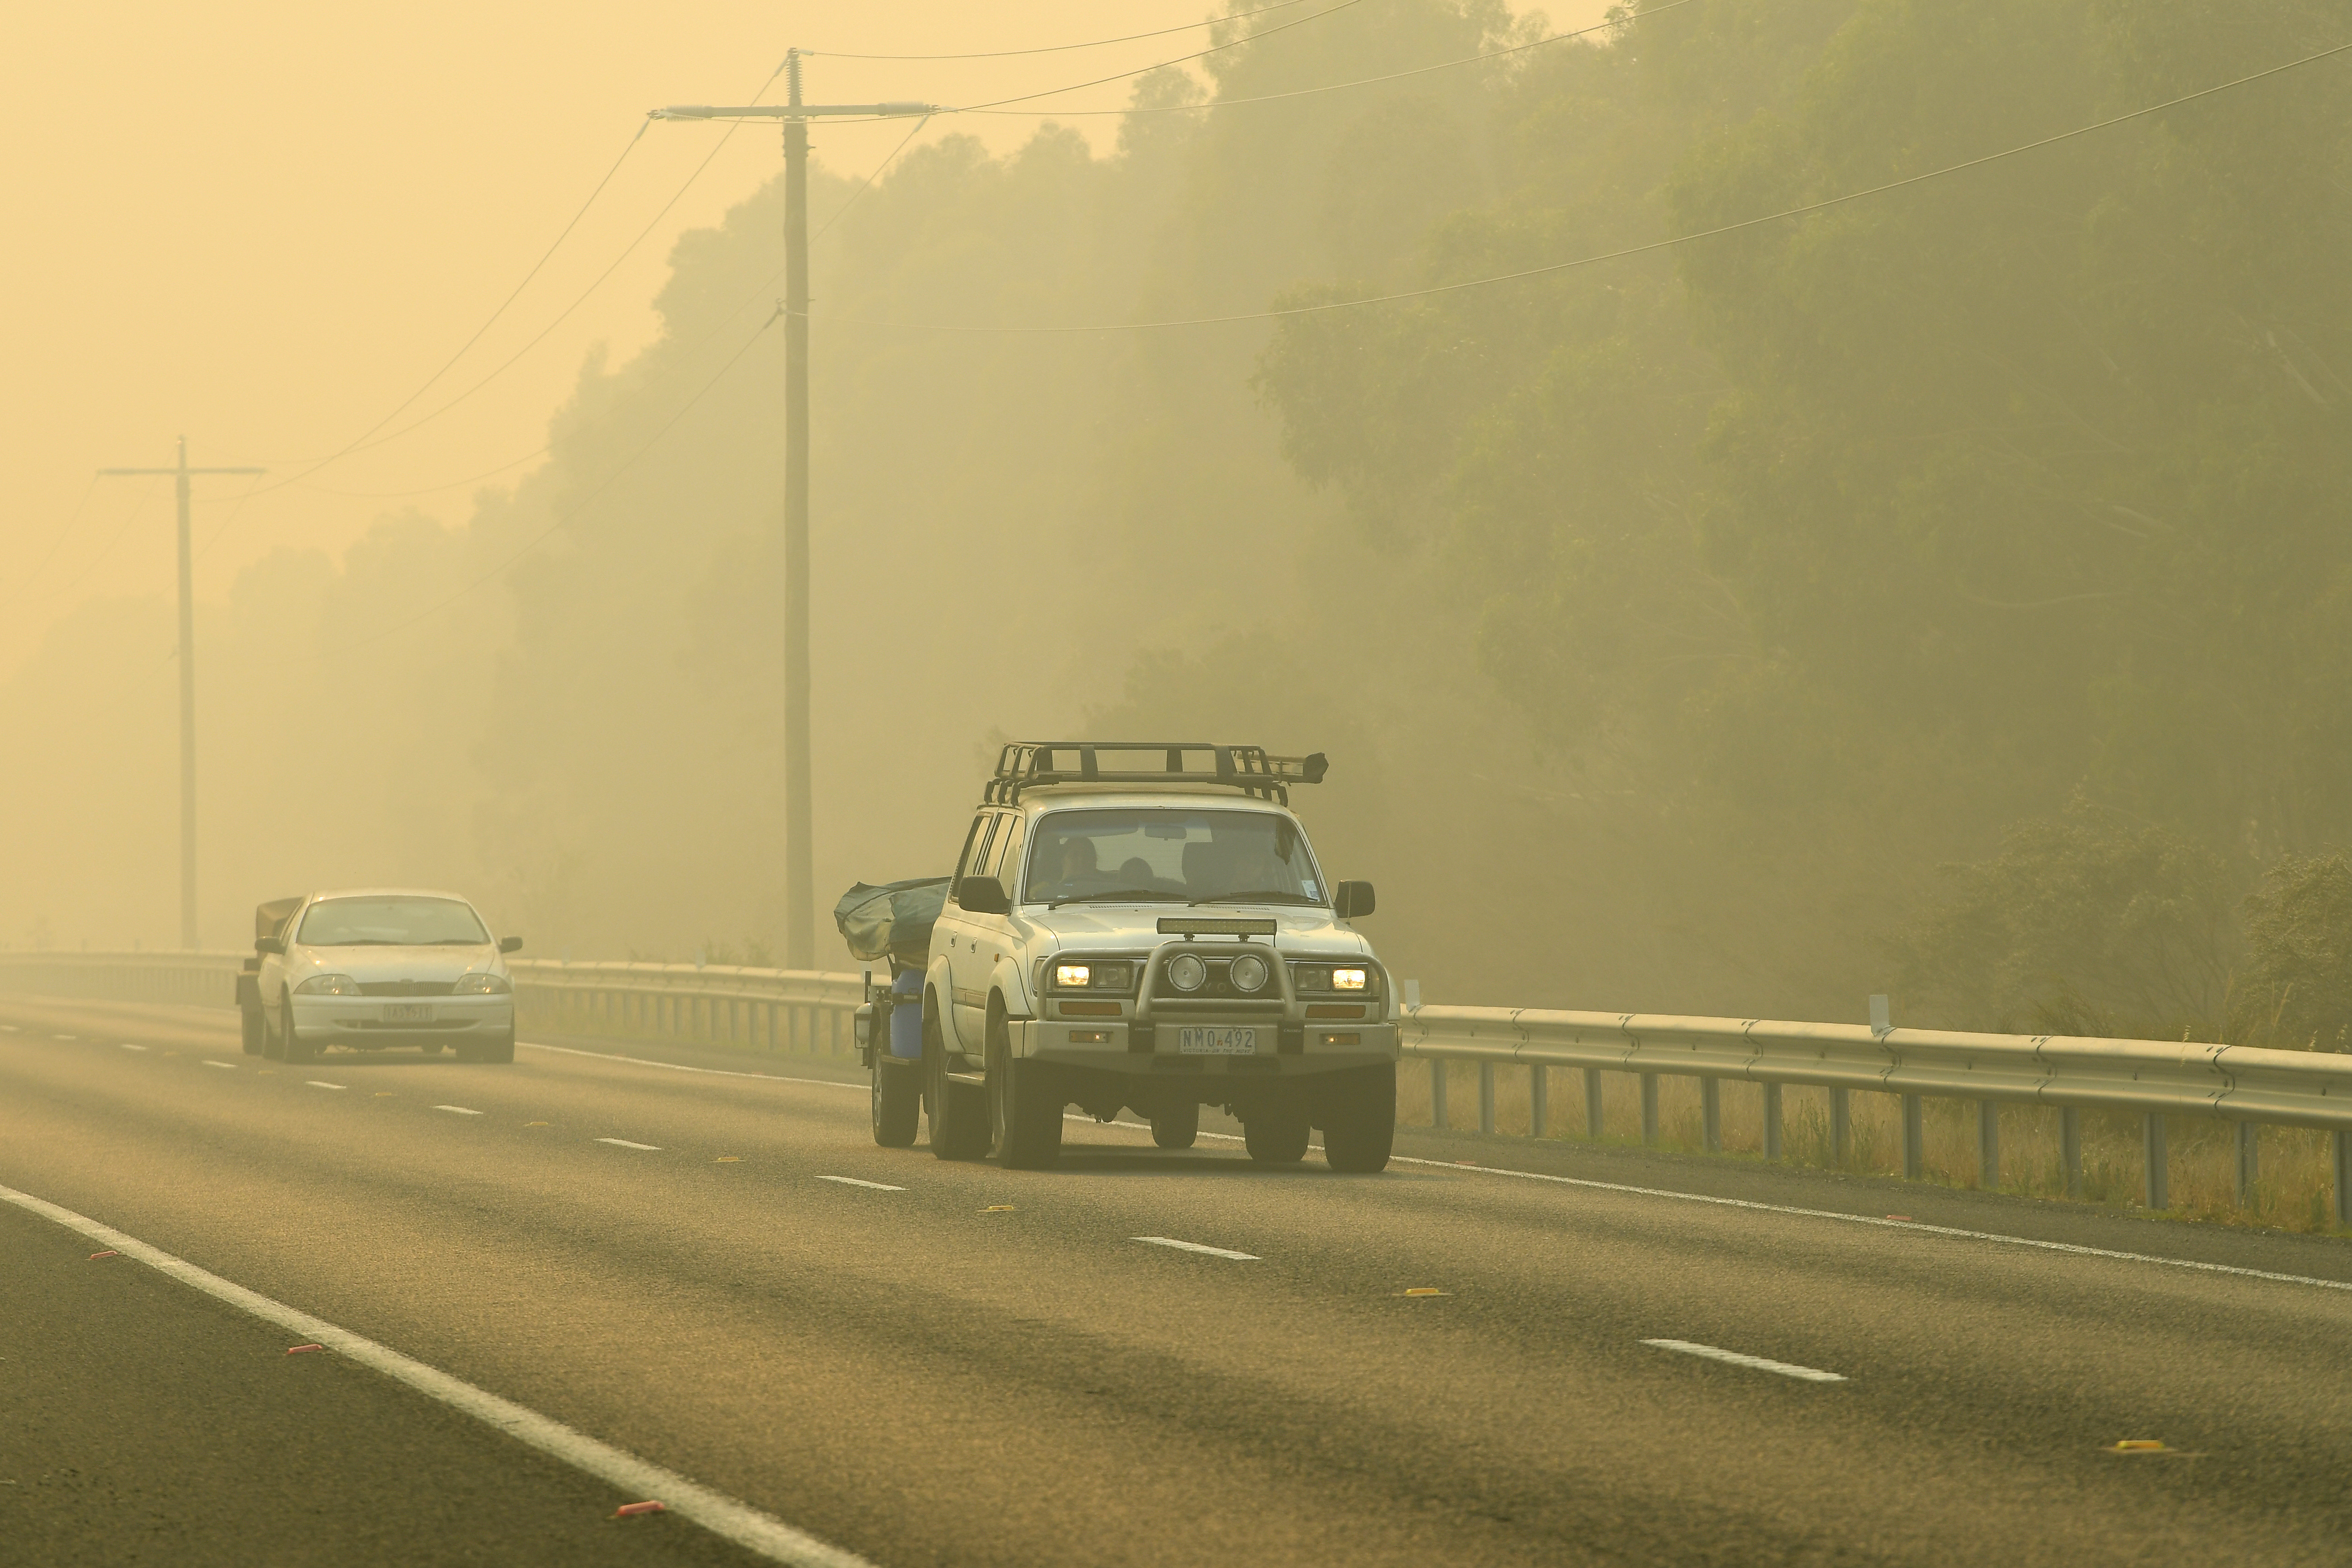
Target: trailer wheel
{"points": [[1178, 1127], [898, 1099], [1276, 1137]]}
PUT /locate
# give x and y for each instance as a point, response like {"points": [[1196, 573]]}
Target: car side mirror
{"points": [[1353, 901], [982, 895], [509, 944], [268, 944]]}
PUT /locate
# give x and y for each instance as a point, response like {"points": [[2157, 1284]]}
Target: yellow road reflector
{"points": [[998, 1208], [1424, 1291], [2139, 1445], [727, 1160]]}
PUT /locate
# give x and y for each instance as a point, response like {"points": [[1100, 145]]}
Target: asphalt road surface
{"points": [[930, 1363]]}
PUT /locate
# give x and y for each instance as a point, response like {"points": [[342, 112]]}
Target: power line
{"points": [[1062, 48], [1181, 60], [55, 540], [1642, 15], [580, 506], [1558, 267]]}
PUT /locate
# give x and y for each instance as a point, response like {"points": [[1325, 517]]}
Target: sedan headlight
{"points": [[481, 983], [1185, 972], [328, 986]]}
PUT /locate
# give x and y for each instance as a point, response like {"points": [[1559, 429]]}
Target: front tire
{"points": [[1178, 1127], [959, 1115], [1360, 1130], [898, 1100], [290, 1045], [498, 1048], [1024, 1113], [1276, 1137]]}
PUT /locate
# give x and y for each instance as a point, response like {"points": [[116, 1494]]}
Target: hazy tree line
{"points": [[1942, 593]]}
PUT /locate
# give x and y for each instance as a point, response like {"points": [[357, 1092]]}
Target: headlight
{"points": [[1072, 975], [481, 983], [1092, 975], [1248, 972], [1186, 972], [329, 985], [1347, 979]]}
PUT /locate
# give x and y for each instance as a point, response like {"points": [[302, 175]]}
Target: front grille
{"points": [[407, 987]]}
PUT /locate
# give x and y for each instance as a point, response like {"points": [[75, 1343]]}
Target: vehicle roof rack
{"points": [[1252, 769]]}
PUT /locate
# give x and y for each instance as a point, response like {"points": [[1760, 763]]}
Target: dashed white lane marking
{"points": [[458, 1109], [723, 1516], [1757, 1363], [2074, 1248], [624, 1143], [322, 1083], [853, 1181], [1196, 1247], [230, 1065], [860, 1086], [127, 1046], [65, 1037]]}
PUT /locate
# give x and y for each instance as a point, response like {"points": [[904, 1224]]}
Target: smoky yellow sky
{"points": [[263, 224]]}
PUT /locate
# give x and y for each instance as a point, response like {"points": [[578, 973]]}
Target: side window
{"points": [[1005, 863], [975, 848]]}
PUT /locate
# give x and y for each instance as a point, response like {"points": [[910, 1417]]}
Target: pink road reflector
{"points": [[110, 1252], [299, 1349], [632, 1509]]}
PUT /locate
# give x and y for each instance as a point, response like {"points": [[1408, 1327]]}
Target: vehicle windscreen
{"points": [[1170, 854], [391, 922]]}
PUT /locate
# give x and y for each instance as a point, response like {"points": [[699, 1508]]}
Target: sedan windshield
{"points": [[391, 922], [1166, 855]]}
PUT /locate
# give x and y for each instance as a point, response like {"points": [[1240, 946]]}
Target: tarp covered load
{"points": [[892, 920]]}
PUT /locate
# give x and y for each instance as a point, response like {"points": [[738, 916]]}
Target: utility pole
{"points": [[800, 835], [182, 473]]}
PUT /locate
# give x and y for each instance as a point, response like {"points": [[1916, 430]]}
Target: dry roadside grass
{"points": [[2294, 1191]]}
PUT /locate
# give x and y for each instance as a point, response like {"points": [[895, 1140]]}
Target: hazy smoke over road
{"points": [[1671, 621]]}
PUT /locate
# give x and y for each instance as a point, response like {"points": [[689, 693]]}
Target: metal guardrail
{"points": [[810, 1010]]}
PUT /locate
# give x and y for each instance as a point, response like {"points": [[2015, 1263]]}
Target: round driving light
{"points": [[1186, 972], [1248, 972]]}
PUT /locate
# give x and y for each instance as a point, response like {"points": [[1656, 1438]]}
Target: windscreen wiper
{"points": [[454, 942], [1258, 895], [1152, 894]]}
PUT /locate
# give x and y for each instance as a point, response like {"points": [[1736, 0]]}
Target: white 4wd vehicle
{"points": [[379, 967], [1151, 935]]}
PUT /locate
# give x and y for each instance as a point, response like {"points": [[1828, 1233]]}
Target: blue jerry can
{"points": [[907, 1014]]}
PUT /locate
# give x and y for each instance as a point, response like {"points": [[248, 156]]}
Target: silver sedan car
{"points": [[370, 967]]}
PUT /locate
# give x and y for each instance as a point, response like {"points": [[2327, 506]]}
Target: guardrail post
{"points": [[2343, 1142], [1914, 1141], [1841, 1127], [1771, 1121], [1486, 1096], [2248, 1162], [1649, 1108], [1710, 1114], [1988, 1144], [1538, 1093], [1592, 1102], [2070, 1148], [2159, 1193], [1437, 1092]]}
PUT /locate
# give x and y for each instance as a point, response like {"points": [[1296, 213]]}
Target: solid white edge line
{"points": [[460, 1110], [681, 1067], [723, 1516], [624, 1143], [1760, 1363], [853, 1181], [1196, 1247], [322, 1083], [2072, 1248]]}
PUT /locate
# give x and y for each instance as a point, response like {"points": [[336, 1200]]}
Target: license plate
{"points": [[1217, 1041], [407, 1012]]}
